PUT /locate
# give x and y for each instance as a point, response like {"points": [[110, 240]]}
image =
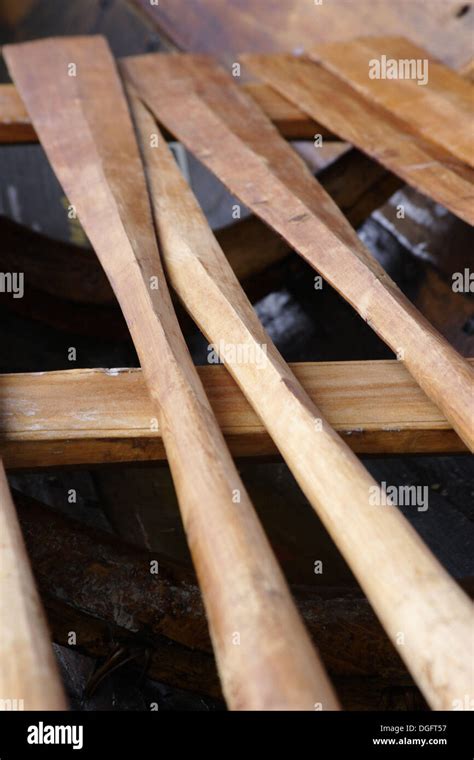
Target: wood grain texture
{"points": [[440, 110], [376, 406], [428, 168], [405, 584], [264, 655], [29, 679], [235, 140]]}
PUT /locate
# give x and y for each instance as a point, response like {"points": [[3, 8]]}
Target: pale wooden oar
{"points": [[201, 105], [424, 612], [29, 678], [264, 655]]}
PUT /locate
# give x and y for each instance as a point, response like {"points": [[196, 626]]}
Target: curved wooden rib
{"points": [[420, 606], [264, 655]]}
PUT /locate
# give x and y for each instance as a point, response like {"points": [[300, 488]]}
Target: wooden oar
{"points": [[200, 104], [433, 101], [429, 168], [264, 655], [422, 609], [29, 678]]}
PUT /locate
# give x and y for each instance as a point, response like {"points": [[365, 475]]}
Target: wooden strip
{"points": [[264, 655], [426, 167], [376, 406], [233, 138], [29, 679], [294, 124], [403, 581], [441, 109]]}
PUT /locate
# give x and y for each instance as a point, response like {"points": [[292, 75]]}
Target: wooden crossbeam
{"points": [[375, 405]]}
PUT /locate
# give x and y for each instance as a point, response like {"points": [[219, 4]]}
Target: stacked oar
{"points": [[264, 657]]}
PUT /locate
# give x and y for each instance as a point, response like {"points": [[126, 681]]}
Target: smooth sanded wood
{"points": [[200, 104], [416, 601], [425, 166], [264, 655], [29, 679], [441, 109], [375, 406]]}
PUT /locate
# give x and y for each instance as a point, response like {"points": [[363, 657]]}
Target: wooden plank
{"points": [[441, 109], [409, 589], [376, 406], [233, 138], [29, 678], [227, 29], [421, 164], [264, 655], [294, 124]]}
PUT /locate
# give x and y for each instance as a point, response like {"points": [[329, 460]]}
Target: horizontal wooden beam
{"points": [[16, 127], [97, 416]]}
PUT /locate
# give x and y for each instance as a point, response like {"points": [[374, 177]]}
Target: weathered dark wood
{"points": [[98, 575]]}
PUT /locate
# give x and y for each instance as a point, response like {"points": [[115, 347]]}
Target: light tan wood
{"points": [[375, 406], [441, 110], [426, 167], [29, 679], [200, 104], [410, 592], [263, 652]]}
